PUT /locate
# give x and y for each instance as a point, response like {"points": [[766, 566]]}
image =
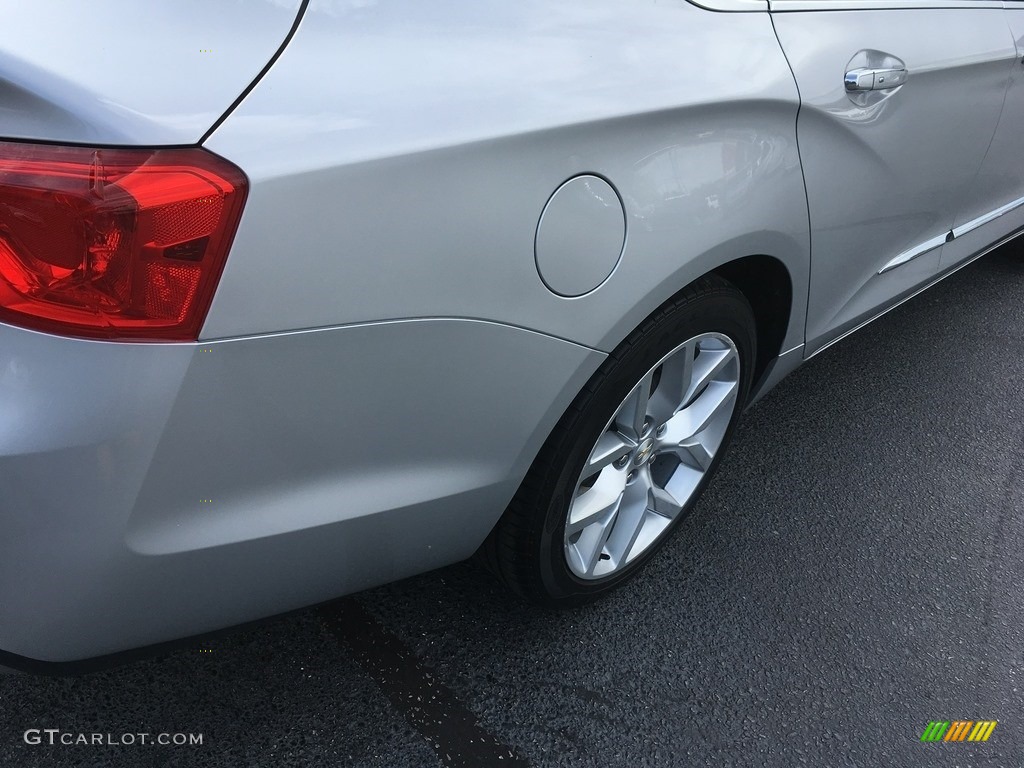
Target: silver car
{"points": [[298, 299]]}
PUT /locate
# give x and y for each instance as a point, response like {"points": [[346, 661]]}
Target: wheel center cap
{"points": [[644, 452]]}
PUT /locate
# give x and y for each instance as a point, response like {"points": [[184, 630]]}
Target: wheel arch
{"points": [[768, 286], [774, 281]]}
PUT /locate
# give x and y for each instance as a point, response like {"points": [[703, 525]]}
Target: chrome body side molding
{"points": [[963, 229], [973, 224], [804, 6], [987, 249], [912, 253]]}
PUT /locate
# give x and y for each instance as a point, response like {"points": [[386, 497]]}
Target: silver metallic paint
{"points": [[887, 171], [466, 155], [580, 236], [124, 72], [733, 6], [999, 181], [165, 490]]}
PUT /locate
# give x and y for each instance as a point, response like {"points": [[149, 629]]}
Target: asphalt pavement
{"points": [[853, 573]]}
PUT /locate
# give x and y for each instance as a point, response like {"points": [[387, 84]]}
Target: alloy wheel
{"points": [[652, 456]]}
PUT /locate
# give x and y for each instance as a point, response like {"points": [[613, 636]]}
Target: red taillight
{"points": [[114, 243]]}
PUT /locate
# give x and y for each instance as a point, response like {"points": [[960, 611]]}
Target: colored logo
{"points": [[958, 730]]}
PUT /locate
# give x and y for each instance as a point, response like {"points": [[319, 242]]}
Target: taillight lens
{"points": [[114, 243]]}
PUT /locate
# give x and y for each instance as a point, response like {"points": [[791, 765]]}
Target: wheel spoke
{"points": [[624, 545], [663, 502], [692, 450], [673, 384], [591, 523], [632, 414], [718, 396], [708, 364], [631, 515], [594, 539], [596, 503], [610, 448], [695, 453], [647, 519]]}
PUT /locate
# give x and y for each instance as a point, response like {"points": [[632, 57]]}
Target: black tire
{"points": [[525, 550]]}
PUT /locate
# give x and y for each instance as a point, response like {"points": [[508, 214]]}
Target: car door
{"points": [[898, 106], [994, 209]]}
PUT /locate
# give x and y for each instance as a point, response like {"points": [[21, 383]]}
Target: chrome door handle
{"points": [[875, 79]]}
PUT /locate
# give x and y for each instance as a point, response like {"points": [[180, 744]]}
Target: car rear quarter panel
{"points": [[401, 155]]}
